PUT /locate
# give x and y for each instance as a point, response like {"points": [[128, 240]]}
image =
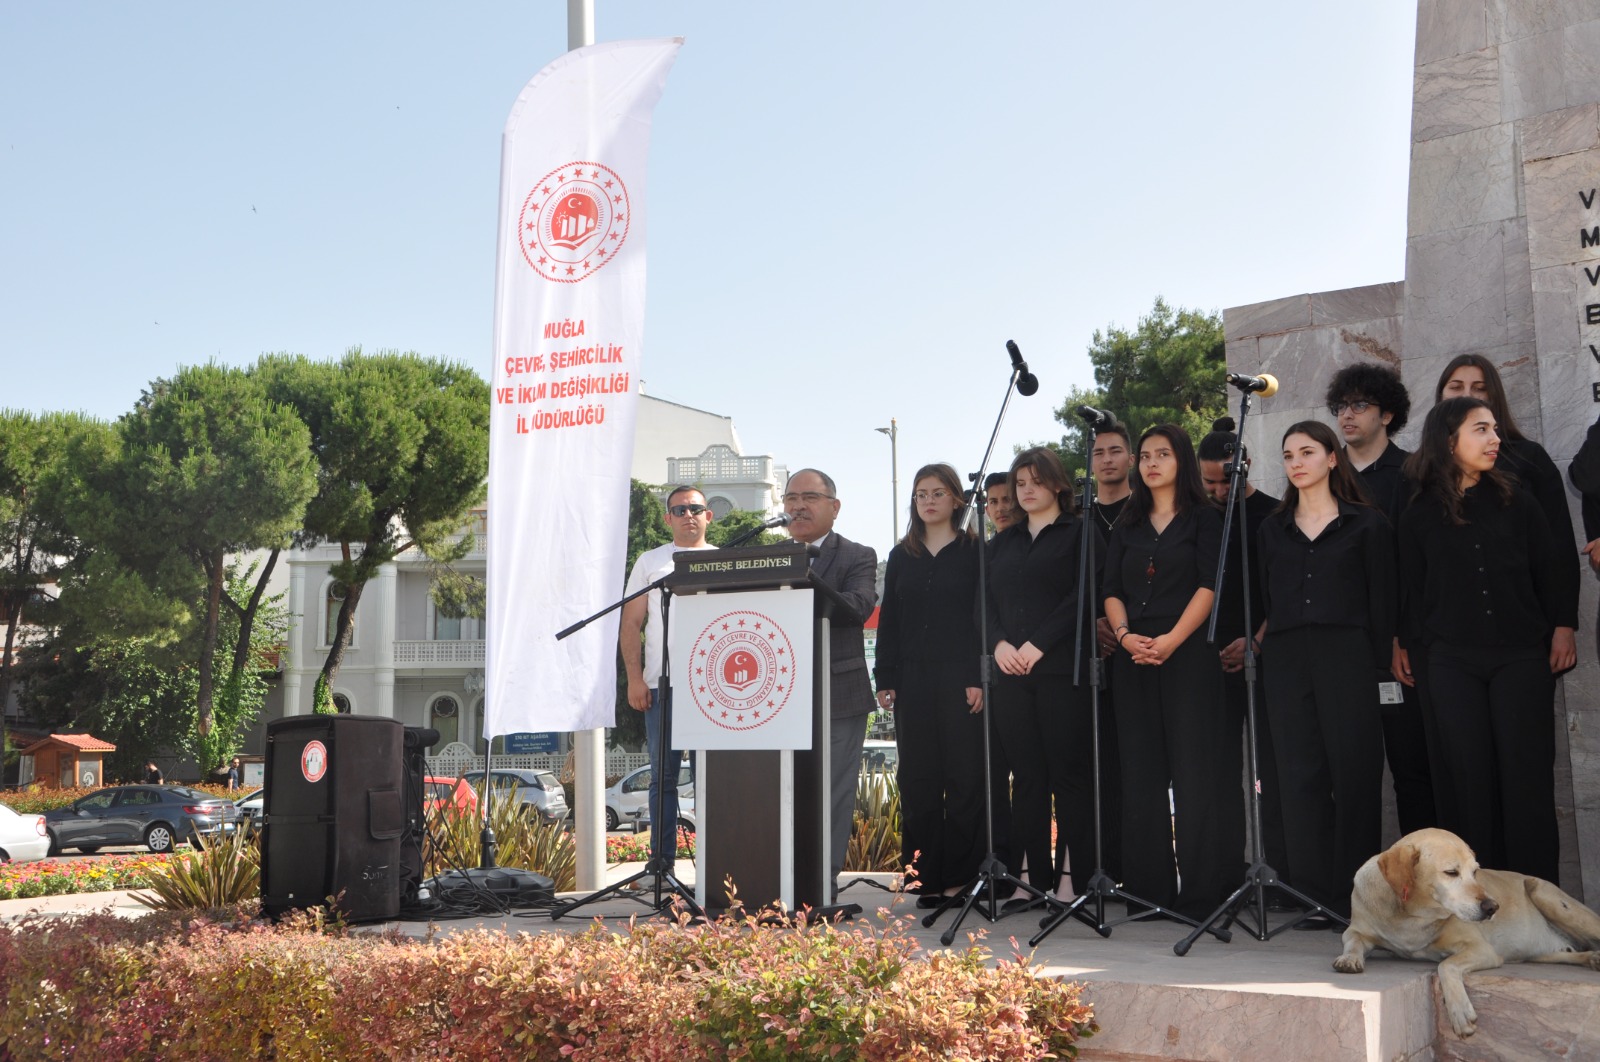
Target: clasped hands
{"points": [[1146, 650]]}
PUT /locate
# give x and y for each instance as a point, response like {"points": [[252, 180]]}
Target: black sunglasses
{"points": [[688, 510]]}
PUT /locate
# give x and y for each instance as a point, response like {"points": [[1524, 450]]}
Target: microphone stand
{"points": [[666, 891], [1252, 893], [992, 872], [1099, 887]]}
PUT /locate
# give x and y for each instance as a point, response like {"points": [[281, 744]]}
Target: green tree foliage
{"points": [[402, 448], [205, 467], [33, 535], [127, 690], [1169, 369]]}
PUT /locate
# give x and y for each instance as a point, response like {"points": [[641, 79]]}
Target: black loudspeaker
{"points": [[335, 815]]}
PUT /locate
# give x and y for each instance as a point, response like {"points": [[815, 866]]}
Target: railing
{"points": [[439, 654], [456, 759]]}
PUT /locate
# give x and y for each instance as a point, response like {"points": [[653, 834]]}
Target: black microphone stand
{"points": [[1100, 887], [666, 892], [1252, 893], [992, 872]]}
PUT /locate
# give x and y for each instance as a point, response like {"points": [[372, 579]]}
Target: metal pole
{"points": [[589, 745], [893, 432]]}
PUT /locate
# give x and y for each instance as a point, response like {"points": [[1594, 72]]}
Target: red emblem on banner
{"points": [[574, 221], [314, 761], [742, 671]]}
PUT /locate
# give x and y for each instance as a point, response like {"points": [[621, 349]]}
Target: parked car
{"points": [[878, 755], [632, 792], [437, 792], [156, 816], [252, 806], [23, 838], [539, 791], [640, 817]]}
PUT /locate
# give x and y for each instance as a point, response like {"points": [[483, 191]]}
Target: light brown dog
{"points": [[1425, 898]]}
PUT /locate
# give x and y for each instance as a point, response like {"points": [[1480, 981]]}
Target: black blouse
{"points": [[1155, 575], [1033, 590], [1496, 580], [1538, 475], [1230, 616], [928, 618], [1345, 577]]}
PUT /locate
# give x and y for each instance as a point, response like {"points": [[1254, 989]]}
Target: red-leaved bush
{"points": [[169, 987]]}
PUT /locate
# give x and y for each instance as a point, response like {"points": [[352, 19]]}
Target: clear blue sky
{"points": [[853, 205]]}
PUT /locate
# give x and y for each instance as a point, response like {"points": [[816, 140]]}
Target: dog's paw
{"points": [[1463, 1019], [1350, 964], [1594, 960]]}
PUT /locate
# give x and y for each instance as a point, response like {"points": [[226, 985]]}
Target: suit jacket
{"points": [[851, 569]]}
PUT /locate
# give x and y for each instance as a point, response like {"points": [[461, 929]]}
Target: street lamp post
{"points": [[893, 432]]}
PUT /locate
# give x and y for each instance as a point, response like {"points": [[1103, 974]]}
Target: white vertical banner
{"points": [[568, 331]]}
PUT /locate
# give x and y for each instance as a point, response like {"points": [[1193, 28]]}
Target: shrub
{"points": [[221, 873], [875, 839], [167, 987], [21, 881], [521, 841]]}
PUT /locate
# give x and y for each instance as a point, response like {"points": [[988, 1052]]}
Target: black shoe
{"points": [[1281, 905], [929, 900], [1316, 920], [1025, 902]]}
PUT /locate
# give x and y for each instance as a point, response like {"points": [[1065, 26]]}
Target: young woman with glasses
{"points": [[927, 674], [1485, 587], [1172, 722]]}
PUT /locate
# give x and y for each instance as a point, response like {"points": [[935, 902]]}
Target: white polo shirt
{"points": [[652, 565]]}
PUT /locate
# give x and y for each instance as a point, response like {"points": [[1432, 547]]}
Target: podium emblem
{"points": [[743, 670], [573, 221]]}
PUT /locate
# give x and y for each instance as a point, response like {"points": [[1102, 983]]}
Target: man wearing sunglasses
{"points": [[812, 502], [687, 517]]}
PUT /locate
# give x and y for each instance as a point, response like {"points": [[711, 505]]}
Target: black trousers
{"points": [[1045, 726], [1405, 745], [1000, 792], [1273, 847], [1494, 711], [941, 779], [1328, 734], [1173, 729]]}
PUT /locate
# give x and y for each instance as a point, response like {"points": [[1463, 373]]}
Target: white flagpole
{"points": [[590, 759]]}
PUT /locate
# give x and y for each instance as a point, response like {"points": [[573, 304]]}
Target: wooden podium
{"points": [[762, 795]]}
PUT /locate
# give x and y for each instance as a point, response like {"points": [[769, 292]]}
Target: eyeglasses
{"points": [[1354, 407], [938, 494], [688, 510], [810, 497]]}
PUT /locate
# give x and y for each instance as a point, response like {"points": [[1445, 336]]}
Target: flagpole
{"points": [[590, 764]]}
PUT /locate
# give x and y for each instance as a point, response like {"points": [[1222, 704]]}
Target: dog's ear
{"points": [[1399, 868]]}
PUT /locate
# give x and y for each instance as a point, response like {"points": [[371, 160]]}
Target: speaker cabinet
{"points": [[335, 815]]}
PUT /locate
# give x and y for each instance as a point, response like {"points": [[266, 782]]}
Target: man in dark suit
{"points": [[812, 502]]}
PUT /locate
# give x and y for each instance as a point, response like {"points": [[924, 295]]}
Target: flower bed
{"points": [[635, 848], [20, 881], [170, 988]]}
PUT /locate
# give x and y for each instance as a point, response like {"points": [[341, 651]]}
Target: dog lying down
{"points": [[1425, 898]]}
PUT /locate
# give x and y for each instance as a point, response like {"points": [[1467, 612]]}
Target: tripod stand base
{"points": [[670, 894], [1101, 888], [1252, 896], [991, 875]]}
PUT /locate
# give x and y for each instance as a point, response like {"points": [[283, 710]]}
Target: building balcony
{"points": [[439, 654]]}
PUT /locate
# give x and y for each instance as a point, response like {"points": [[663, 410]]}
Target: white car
{"points": [[23, 838], [632, 792]]}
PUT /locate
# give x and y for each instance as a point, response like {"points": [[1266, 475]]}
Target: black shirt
{"points": [[1230, 616], [1155, 575], [1033, 590], [1585, 475], [1108, 512], [1344, 577], [1386, 483], [1538, 475], [1493, 581], [928, 618]]}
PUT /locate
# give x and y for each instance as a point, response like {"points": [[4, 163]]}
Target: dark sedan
{"points": [[156, 816]]}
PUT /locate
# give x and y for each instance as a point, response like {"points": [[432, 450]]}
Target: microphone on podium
{"points": [[1266, 385]]}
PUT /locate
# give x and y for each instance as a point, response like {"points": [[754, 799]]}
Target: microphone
{"points": [[1027, 382], [781, 520], [1098, 419], [1266, 384]]}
